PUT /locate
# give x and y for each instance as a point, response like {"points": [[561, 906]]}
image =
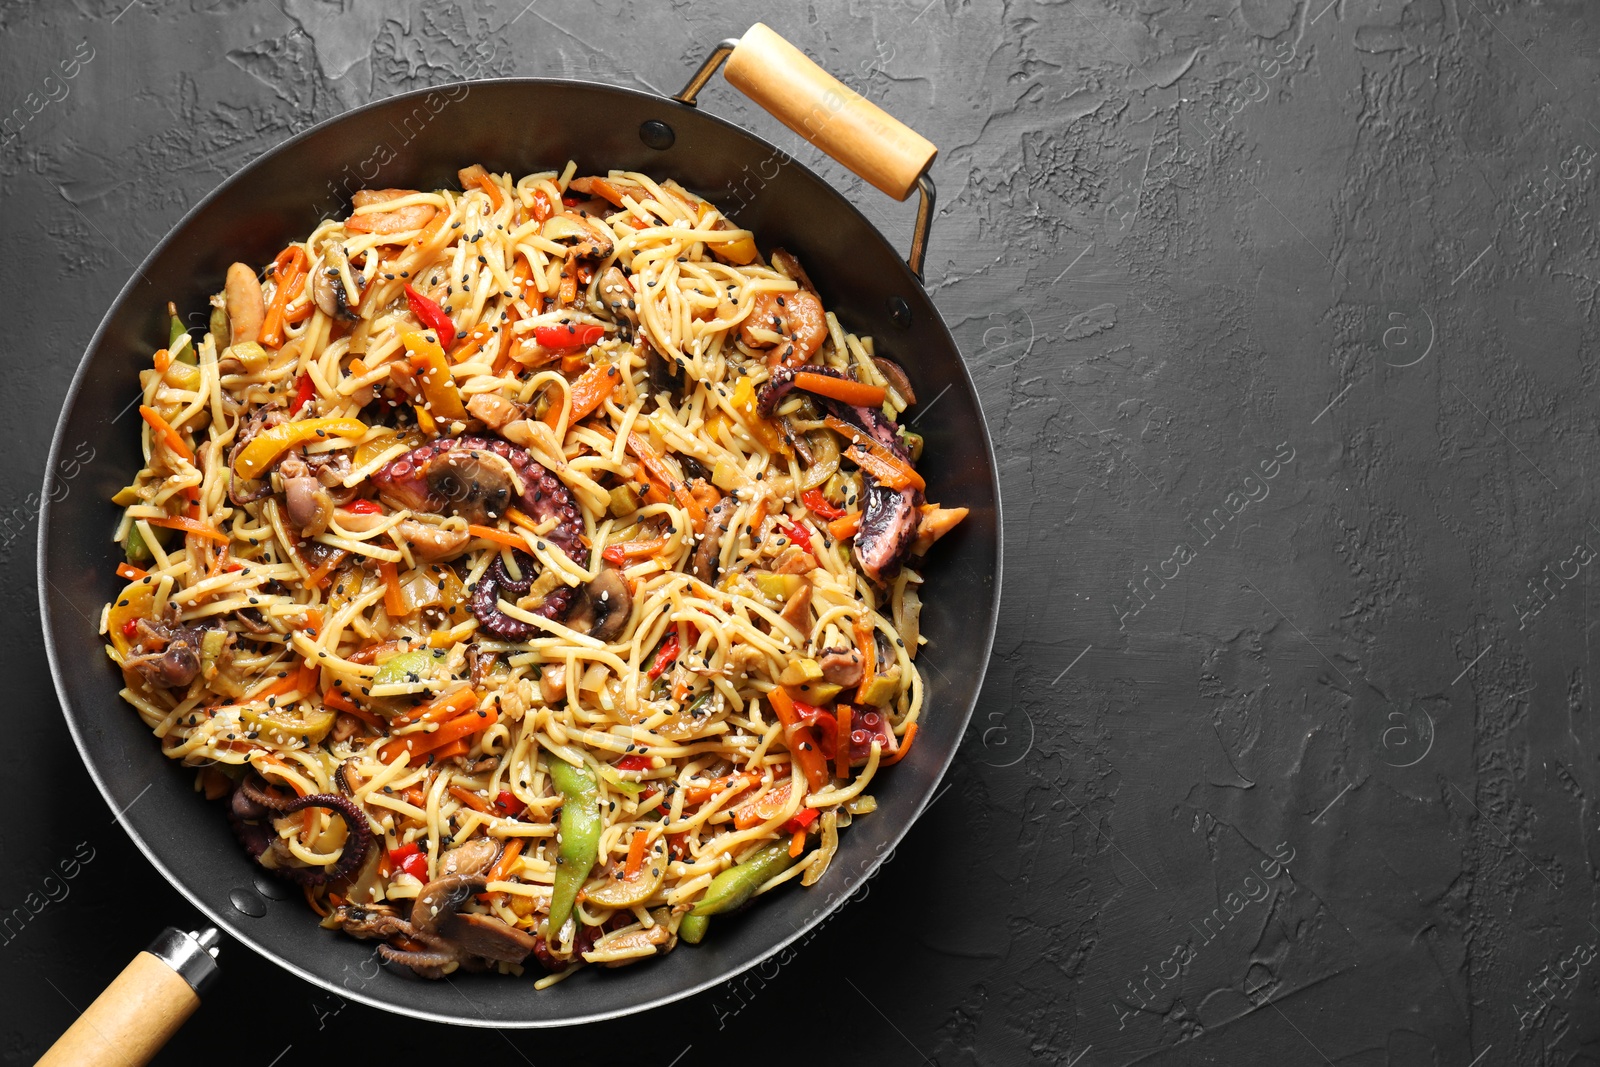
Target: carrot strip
{"points": [[339, 702], [841, 742], [451, 751], [623, 551], [162, 360], [868, 647], [658, 470], [474, 341], [905, 746], [887, 473], [802, 742], [635, 854], [588, 393], [797, 843], [188, 525], [508, 859], [845, 526], [287, 272], [858, 394], [440, 708], [457, 729], [469, 798], [168, 434], [476, 175], [699, 794], [498, 536], [394, 601], [320, 572], [908, 476], [130, 572]]}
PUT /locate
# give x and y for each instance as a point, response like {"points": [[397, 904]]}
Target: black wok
{"points": [[420, 140]]}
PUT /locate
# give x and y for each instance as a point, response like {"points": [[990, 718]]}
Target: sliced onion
{"points": [[825, 459]]}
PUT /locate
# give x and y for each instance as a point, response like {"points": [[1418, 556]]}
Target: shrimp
{"points": [[399, 220], [792, 324]]}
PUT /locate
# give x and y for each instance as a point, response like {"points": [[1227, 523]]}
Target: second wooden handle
{"points": [[128, 1022], [874, 144]]}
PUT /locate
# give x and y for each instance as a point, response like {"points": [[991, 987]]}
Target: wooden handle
{"points": [[874, 144], [130, 1021]]}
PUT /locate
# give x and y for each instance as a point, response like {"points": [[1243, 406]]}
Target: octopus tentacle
{"points": [[252, 803]]}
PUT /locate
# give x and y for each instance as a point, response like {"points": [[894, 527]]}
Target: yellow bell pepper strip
{"points": [[135, 602], [736, 885], [432, 316], [289, 271], [166, 432], [765, 431], [580, 840], [433, 374], [903, 470], [801, 741], [588, 393], [265, 448], [857, 394]]}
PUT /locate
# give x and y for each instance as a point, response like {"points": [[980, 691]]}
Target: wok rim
{"points": [[235, 930]]}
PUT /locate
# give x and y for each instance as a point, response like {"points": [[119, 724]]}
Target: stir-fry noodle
{"points": [[526, 569]]}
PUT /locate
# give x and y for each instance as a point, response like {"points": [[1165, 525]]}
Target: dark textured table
{"points": [[1279, 312]]}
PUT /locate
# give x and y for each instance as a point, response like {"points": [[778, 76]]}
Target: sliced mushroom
{"points": [[585, 238], [432, 544], [616, 293], [494, 410], [441, 897], [486, 937], [618, 891], [895, 375], [630, 946], [309, 505], [664, 376], [246, 309], [332, 284], [841, 666], [474, 857], [709, 551], [785, 261], [603, 606], [477, 489], [797, 610]]}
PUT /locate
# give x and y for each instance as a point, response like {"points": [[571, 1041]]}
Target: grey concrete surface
{"points": [[1283, 315]]}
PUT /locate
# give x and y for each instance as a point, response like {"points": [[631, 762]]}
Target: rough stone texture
{"points": [[1278, 313]]}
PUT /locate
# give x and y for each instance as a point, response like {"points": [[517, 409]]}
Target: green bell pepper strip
{"points": [[580, 840], [737, 884]]}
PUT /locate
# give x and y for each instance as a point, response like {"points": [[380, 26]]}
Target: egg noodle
{"points": [[587, 752]]}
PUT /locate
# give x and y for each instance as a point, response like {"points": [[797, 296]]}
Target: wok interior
{"points": [[421, 140]]}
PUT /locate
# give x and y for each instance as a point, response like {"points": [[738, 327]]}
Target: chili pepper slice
{"points": [[797, 533], [669, 652], [506, 802], [432, 316], [568, 335], [304, 391], [818, 505]]}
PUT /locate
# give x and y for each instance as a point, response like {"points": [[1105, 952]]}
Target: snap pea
{"points": [[580, 839], [739, 883], [693, 928]]}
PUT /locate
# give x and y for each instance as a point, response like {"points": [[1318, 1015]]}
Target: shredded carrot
{"points": [[858, 394], [451, 751], [474, 341], [658, 470], [508, 859], [311, 897], [476, 175], [469, 798], [845, 526], [699, 794], [456, 729], [340, 702], [167, 433], [425, 420], [802, 742], [394, 601], [188, 525], [130, 572], [498, 536], [797, 843], [905, 746], [759, 517], [320, 572], [440, 708], [635, 853], [162, 360], [588, 393], [890, 474], [289, 271], [868, 647], [841, 742], [312, 620], [904, 472]]}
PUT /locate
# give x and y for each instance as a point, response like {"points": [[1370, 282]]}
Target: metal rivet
{"points": [[272, 888], [247, 902], [899, 312], [656, 134]]}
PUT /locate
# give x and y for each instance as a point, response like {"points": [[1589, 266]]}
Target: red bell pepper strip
{"points": [[431, 316], [802, 819], [568, 335], [798, 534], [818, 505], [304, 391], [664, 659], [409, 858], [363, 507], [506, 802], [632, 763]]}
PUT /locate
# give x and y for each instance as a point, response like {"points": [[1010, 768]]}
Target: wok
{"points": [[419, 140]]}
